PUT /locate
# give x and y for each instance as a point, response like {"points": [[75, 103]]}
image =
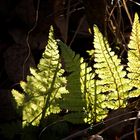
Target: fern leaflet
{"points": [[134, 57]]}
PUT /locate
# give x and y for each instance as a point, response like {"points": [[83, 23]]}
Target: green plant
{"points": [[74, 101], [43, 87], [84, 93], [113, 85], [134, 58]]}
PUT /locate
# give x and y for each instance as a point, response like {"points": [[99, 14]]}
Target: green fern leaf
{"points": [[110, 72], [93, 110], [74, 101], [43, 87], [134, 57], [18, 97]]}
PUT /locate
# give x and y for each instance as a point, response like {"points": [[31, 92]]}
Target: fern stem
{"points": [[49, 95], [85, 81], [95, 101]]}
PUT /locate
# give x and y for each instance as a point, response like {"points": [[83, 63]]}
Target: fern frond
{"points": [[44, 86], [134, 57], [74, 101], [110, 72], [93, 110]]}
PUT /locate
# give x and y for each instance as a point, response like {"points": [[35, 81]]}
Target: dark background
{"points": [[71, 20]]}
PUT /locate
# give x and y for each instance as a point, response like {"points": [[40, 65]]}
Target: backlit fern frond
{"points": [[110, 72], [93, 110], [43, 87], [74, 101], [134, 57]]}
